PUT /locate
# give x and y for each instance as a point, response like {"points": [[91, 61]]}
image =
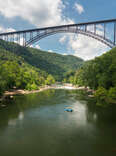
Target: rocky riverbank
{"points": [[10, 94]]}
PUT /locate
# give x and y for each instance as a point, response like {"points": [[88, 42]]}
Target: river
{"points": [[37, 125]]}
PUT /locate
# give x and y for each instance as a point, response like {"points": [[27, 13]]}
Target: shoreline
{"points": [[14, 92], [24, 92]]}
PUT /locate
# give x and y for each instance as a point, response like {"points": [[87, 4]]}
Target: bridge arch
{"points": [[33, 35], [90, 34]]}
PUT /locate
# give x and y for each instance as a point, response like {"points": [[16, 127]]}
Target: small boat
{"points": [[68, 109]]}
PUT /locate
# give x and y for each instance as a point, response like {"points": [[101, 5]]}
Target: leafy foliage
{"points": [[99, 74], [50, 80], [52, 63], [20, 76], [101, 96], [29, 68]]}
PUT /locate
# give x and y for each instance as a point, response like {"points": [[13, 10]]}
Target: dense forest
{"points": [[100, 75], [29, 68], [52, 63]]}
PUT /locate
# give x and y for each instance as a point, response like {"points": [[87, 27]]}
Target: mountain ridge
{"points": [[52, 63]]}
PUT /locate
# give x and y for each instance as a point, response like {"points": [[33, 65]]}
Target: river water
{"points": [[36, 125]]}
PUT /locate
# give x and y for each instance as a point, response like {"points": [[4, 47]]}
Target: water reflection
{"points": [[91, 116], [13, 122], [37, 123], [21, 116]]}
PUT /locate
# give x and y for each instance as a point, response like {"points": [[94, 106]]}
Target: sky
{"points": [[28, 14]]}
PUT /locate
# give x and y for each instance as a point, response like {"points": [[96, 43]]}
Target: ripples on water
{"points": [[36, 124]]}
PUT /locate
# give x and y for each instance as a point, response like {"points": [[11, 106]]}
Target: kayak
{"points": [[68, 110]]}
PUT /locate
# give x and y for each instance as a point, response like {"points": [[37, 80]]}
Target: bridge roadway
{"points": [[31, 36]]}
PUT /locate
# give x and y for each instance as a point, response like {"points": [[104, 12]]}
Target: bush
{"points": [[101, 96], [31, 86], [50, 80], [112, 95]]}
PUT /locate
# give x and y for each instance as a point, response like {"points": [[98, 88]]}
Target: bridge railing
{"points": [[96, 29]]}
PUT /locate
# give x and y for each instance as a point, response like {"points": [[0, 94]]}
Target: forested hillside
{"points": [[100, 75], [52, 63], [29, 68], [15, 72]]}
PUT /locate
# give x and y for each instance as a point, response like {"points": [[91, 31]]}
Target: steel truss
{"points": [[97, 30]]}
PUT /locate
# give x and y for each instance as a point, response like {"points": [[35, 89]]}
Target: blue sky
{"points": [[26, 14]]}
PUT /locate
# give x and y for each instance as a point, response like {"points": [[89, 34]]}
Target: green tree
{"points": [[112, 95], [50, 80], [101, 96]]}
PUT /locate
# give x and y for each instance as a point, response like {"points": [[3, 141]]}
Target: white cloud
{"points": [[64, 54], [51, 51], [86, 48], [38, 12], [62, 39], [37, 47], [83, 46], [2, 29], [79, 8]]}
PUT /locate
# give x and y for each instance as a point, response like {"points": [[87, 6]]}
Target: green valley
{"points": [[29, 68]]}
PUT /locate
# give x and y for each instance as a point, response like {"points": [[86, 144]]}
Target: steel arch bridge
{"points": [[97, 30]]}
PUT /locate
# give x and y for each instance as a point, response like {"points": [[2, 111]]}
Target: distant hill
{"points": [[51, 63]]}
